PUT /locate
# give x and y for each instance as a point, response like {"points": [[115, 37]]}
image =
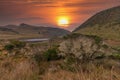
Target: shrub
{"points": [[38, 58], [73, 35], [14, 44], [69, 63], [100, 56], [118, 49], [9, 47], [115, 56], [51, 54], [105, 46], [0, 52], [18, 44], [96, 38], [70, 60]]}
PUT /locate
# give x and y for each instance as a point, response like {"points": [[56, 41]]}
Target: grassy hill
{"points": [[30, 31], [105, 24], [7, 31]]}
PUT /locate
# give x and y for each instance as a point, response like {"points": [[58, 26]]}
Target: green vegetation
{"points": [[86, 58], [96, 38], [14, 44], [69, 63], [73, 35], [9, 47], [51, 54], [105, 24], [115, 56], [0, 52], [38, 58], [38, 65], [104, 31], [70, 60], [118, 48], [105, 46], [100, 56], [18, 44]]}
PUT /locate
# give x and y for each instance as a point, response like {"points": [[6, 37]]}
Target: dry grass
{"points": [[18, 36], [112, 32], [25, 67], [97, 74], [22, 70], [29, 70]]}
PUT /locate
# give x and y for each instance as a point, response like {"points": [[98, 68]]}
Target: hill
{"points": [[105, 24], [77, 57], [30, 31]]}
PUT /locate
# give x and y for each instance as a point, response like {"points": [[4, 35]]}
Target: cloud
{"points": [[29, 18], [46, 11], [91, 3]]}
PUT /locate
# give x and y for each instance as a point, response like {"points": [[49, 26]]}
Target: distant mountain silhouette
{"points": [[25, 30], [105, 24]]}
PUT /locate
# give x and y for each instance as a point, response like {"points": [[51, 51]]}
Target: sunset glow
{"points": [[67, 14], [63, 21]]}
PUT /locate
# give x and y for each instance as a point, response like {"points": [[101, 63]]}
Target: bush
{"points": [[70, 60], [73, 35], [0, 52], [38, 58], [9, 47], [105, 46], [115, 56], [96, 38], [69, 63], [18, 44], [14, 44], [100, 56], [118, 49], [51, 54]]}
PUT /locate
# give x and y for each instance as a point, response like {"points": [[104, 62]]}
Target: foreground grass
{"points": [[22, 65], [97, 74], [25, 69]]}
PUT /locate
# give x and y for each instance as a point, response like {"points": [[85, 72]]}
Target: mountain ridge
{"points": [[31, 30], [105, 24], [99, 14]]}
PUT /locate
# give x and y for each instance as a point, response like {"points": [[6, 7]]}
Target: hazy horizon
{"points": [[67, 14]]}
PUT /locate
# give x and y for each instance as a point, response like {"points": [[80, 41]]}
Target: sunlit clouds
{"points": [[67, 14]]}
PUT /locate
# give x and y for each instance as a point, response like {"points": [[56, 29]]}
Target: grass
{"points": [[51, 54], [73, 35], [49, 66], [76, 35], [96, 38], [14, 44], [18, 36], [104, 32], [9, 47], [115, 56], [28, 69], [97, 74]]}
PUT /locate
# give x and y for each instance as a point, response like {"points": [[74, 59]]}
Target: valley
{"points": [[90, 52]]}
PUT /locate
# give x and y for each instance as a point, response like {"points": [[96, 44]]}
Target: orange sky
{"points": [[47, 12]]}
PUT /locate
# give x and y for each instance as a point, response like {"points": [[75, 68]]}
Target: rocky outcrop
{"points": [[85, 47]]}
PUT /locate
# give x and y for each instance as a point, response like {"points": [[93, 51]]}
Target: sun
{"points": [[63, 21]]}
